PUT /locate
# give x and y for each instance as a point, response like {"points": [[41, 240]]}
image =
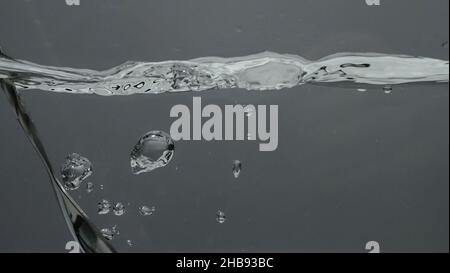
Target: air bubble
{"points": [[237, 166], [109, 233], [220, 217], [146, 211], [119, 209], [154, 150], [89, 187], [387, 89], [103, 207], [74, 170]]}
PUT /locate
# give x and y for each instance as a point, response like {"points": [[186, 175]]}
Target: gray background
{"points": [[350, 167]]}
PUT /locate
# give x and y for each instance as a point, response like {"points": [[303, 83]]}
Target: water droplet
{"points": [[129, 243], [101, 186], [155, 149], [237, 165], [103, 207], [220, 217], [74, 170], [387, 89], [119, 209], [89, 187], [145, 211]]}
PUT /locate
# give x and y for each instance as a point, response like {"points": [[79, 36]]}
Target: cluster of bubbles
{"points": [[118, 209], [153, 150], [89, 187]]}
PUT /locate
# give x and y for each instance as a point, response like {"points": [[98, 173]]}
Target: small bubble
{"points": [[119, 209], [155, 149], [74, 170], [145, 211], [387, 89], [361, 90], [130, 243], [101, 186], [109, 233], [220, 217], [103, 207], [237, 165], [139, 85], [89, 187]]}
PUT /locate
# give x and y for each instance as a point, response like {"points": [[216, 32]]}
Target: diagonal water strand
{"points": [[82, 230], [263, 71]]}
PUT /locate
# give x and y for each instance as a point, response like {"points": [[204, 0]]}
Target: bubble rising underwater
{"points": [[154, 150]]}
